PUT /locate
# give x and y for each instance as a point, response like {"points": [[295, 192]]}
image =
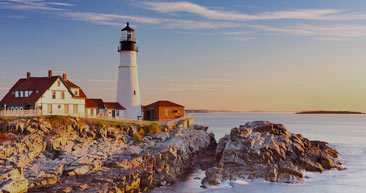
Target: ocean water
{"points": [[346, 133]]}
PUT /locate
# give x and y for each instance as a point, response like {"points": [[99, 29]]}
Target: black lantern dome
{"points": [[128, 41]]}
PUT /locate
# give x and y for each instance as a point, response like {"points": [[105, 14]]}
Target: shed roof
{"points": [[94, 103], [113, 105], [163, 104]]}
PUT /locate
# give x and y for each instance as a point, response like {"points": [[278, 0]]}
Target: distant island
{"points": [[330, 112], [208, 111]]}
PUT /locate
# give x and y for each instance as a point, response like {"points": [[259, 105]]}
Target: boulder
{"points": [[262, 149]]}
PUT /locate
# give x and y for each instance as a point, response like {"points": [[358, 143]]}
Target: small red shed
{"points": [[163, 110]]}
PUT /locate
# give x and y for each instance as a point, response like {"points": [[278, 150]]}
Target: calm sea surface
{"points": [[346, 133]]}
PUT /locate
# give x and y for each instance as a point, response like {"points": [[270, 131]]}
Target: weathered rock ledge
{"points": [[79, 156], [262, 149]]}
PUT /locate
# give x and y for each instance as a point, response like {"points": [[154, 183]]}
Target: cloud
{"points": [[319, 31], [108, 19], [241, 38], [33, 5], [196, 25], [237, 32], [214, 19], [188, 7], [116, 20]]}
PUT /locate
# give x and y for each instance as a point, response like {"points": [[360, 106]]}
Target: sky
{"points": [[242, 55]]}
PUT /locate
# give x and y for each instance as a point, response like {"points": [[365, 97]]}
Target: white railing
{"points": [[20, 113]]}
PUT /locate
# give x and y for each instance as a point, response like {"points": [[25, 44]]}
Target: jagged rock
{"points": [[87, 157], [262, 149], [13, 181]]}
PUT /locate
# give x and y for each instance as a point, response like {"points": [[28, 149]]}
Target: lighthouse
{"points": [[128, 92]]}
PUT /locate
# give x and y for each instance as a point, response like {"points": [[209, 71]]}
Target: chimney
{"points": [[64, 76], [49, 73], [28, 74]]}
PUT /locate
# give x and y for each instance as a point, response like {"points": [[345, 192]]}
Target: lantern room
{"points": [[128, 41]]}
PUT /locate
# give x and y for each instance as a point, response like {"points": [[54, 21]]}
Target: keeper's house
{"points": [[54, 95], [51, 95]]}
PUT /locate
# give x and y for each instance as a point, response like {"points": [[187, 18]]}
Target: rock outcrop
{"points": [[79, 156], [262, 149]]}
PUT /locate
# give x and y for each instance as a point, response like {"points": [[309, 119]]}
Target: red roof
{"points": [[115, 105], [94, 103], [36, 84], [163, 104], [72, 85]]}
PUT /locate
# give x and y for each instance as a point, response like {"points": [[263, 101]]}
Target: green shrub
{"points": [[138, 137], [152, 128], [56, 120]]}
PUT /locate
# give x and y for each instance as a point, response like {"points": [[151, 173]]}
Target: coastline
{"points": [[331, 112]]}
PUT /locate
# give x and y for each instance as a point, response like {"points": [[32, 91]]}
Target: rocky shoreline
{"points": [[83, 157], [76, 155], [262, 149]]}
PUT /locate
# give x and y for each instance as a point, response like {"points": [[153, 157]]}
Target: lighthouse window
{"points": [[134, 92]]}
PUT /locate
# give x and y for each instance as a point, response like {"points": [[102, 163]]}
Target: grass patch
{"points": [[119, 123], [58, 120], [147, 130], [138, 137], [152, 128]]}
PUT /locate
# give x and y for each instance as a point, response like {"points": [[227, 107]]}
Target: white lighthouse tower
{"points": [[128, 92]]}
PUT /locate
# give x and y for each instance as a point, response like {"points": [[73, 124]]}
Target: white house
{"points": [[55, 95], [114, 109], [98, 108], [94, 107], [51, 95]]}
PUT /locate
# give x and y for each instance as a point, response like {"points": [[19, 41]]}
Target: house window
{"points": [[91, 111], [62, 94], [53, 94], [166, 112], [26, 93], [117, 113], [16, 94], [75, 109], [49, 108], [134, 92], [76, 93], [30, 92], [58, 83], [59, 106], [21, 93]]}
